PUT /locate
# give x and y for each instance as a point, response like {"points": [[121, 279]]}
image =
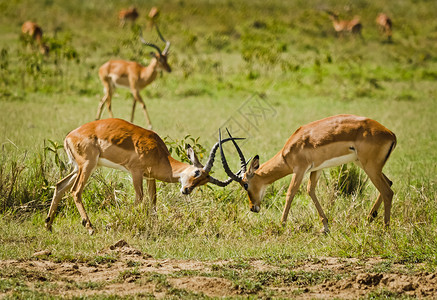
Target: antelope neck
{"points": [[273, 169], [177, 168]]}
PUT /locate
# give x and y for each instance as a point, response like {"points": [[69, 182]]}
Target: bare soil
{"points": [[137, 274]]}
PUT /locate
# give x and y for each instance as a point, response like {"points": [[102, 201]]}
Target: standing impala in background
{"points": [[34, 31], [118, 144], [353, 26], [385, 25], [130, 14], [132, 75], [318, 145], [153, 17]]}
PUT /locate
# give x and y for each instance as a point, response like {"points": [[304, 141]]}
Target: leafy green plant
{"points": [[54, 148], [178, 147]]}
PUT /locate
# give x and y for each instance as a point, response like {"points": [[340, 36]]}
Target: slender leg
{"points": [[109, 106], [382, 184], [311, 188], [138, 98], [100, 108], [84, 173], [374, 211], [107, 98], [133, 111], [61, 187], [292, 190], [151, 189], [137, 179]]}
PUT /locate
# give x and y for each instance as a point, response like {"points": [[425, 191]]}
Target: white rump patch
{"points": [[336, 161], [107, 163]]}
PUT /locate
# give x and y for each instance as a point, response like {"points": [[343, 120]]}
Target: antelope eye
{"points": [[197, 173], [246, 186]]}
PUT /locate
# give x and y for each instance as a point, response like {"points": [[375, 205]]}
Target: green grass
{"points": [[223, 54]]}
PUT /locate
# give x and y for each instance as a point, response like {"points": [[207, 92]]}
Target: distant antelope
{"points": [[34, 31], [121, 145], [132, 75], [318, 145], [385, 25], [153, 17], [130, 14], [353, 26]]}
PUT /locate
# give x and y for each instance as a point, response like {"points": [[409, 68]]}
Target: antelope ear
{"points": [[193, 157], [254, 165]]}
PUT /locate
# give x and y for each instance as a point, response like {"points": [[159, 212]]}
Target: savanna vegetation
{"points": [[260, 68]]}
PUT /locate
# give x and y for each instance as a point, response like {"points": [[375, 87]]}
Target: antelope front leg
{"points": [[133, 110], [137, 180], [151, 189], [138, 98], [292, 190], [311, 188]]}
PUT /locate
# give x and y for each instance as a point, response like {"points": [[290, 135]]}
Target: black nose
{"points": [[186, 191]]}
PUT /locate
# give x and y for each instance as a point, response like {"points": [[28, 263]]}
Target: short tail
{"points": [[71, 159], [392, 147]]}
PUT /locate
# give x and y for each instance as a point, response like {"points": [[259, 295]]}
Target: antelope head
{"points": [[246, 177], [160, 56], [198, 174]]}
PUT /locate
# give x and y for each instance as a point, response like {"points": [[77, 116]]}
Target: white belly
{"points": [[119, 81], [336, 161], [107, 163]]}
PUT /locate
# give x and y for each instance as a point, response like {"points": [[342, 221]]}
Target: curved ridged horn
{"points": [[221, 183], [228, 171], [167, 43], [211, 158], [148, 43], [240, 154]]}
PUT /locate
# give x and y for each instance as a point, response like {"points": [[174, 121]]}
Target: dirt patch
{"points": [[138, 274], [210, 286]]}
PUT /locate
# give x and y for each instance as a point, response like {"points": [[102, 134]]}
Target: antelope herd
{"points": [[121, 145]]}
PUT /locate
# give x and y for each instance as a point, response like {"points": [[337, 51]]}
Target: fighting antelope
{"points": [[318, 145], [34, 31], [353, 26], [130, 14], [132, 75], [118, 144], [385, 25]]}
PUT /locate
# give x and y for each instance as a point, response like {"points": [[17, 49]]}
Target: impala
{"points": [[153, 17], [318, 145], [34, 31], [132, 75], [130, 14], [353, 26], [385, 25], [118, 144]]}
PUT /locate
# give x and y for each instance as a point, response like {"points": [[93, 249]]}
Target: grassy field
{"points": [[281, 59]]}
